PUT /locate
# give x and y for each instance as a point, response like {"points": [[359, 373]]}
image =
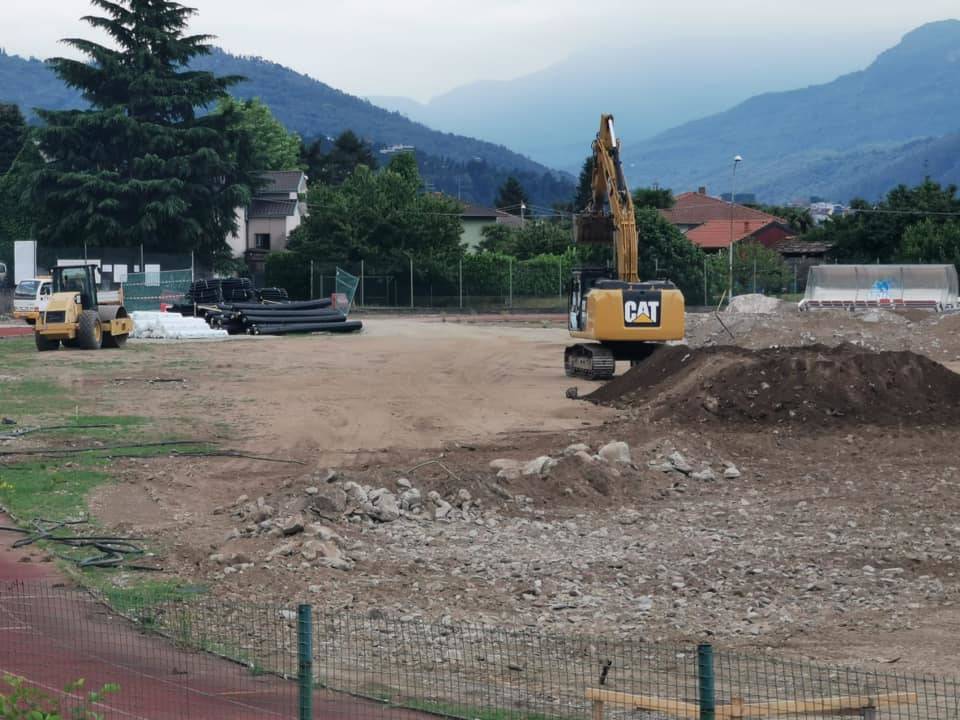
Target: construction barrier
{"points": [[854, 286]]}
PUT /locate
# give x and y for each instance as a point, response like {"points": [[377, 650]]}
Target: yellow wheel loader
{"points": [[624, 319], [79, 316]]}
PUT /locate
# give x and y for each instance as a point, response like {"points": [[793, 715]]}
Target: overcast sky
{"points": [[419, 48]]}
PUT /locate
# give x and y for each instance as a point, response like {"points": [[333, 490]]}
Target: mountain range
{"points": [[552, 114], [455, 164], [859, 135]]}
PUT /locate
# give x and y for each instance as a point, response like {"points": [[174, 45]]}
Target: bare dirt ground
{"points": [[831, 542]]}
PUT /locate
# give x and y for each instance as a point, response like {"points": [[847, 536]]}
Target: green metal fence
{"points": [[148, 291], [300, 661]]}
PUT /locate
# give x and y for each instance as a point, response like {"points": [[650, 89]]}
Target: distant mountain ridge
{"points": [[315, 109], [856, 135]]}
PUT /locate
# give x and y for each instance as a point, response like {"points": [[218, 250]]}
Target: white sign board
{"points": [[75, 263], [119, 273], [151, 275], [24, 260]]}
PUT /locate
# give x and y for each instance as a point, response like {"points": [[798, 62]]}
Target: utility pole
{"points": [[733, 199]]}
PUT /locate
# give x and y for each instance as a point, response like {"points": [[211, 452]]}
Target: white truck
{"points": [[30, 298]]}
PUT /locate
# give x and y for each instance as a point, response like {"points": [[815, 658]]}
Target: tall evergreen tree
{"points": [[142, 166], [511, 196], [584, 186], [13, 133]]}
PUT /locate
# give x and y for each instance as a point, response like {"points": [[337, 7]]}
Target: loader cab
{"points": [[583, 281], [80, 279]]}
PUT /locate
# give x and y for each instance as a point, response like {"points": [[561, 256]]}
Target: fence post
{"points": [[311, 279], [560, 277], [362, 303], [510, 273], [192, 271], [411, 282], [705, 300], [460, 275], [705, 677], [321, 283], [305, 661]]}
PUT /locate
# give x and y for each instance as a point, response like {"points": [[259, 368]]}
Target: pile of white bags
{"points": [[172, 326]]}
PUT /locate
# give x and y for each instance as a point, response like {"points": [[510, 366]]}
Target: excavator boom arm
{"points": [[610, 188]]}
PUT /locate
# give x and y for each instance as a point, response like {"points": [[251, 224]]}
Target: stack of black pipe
{"points": [[237, 290], [273, 295], [205, 292], [281, 318]]}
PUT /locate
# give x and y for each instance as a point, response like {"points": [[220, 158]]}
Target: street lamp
{"points": [[733, 198]]}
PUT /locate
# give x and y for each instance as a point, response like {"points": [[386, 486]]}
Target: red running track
{"points": [[52, 635]]}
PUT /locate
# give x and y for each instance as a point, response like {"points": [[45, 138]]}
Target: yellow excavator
{"points": [[624, 319]]}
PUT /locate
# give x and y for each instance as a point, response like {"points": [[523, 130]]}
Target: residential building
{"points": [[476, 217], [693, 209], [274, 213], [715, 235]]}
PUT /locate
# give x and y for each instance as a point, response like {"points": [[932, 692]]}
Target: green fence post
{"points": [[305, 661], [705, 676]]}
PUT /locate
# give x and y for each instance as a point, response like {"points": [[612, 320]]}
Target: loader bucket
{"points": [[853, 286]]}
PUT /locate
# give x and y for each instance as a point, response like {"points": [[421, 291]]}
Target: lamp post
{"points": [[733, 198]]}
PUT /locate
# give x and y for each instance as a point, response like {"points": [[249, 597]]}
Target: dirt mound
{"points": [[754, 304], [814, 384]]}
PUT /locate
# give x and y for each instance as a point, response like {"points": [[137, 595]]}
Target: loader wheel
{"points": [[114, 341], [89, 332], [45, 344]]}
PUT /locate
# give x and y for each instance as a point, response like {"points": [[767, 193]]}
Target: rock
{"points": [[291, 525], [629, 517], [705, 475], [312, 490], [404, 484], [679, 463], [540, 466], [217, 558], [329, 503], [711, 404], [385, 505], [463, 497], [287, 614], [240, 559], [586, 458], [287, 548], [411, 500], [321, 531], [241, 500], [325, 477], [616, 452], [753, 304], [505, 464], [572, 393], [441, 508], [262, 513], [355, 493], [326, 553], [571, 450], [731, 472]]}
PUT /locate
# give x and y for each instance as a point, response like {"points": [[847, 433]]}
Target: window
{"points": [[261, 241]]}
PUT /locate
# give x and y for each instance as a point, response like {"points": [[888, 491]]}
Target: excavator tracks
{"points": [[591, 361]]}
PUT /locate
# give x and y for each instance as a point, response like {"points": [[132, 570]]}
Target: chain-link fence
{"points": [[179, 657], [155, 289]]}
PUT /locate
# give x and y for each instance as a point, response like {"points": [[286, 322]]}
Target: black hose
{"points": [[299, 305], [280, 310], [293, 319], [339, 327]]}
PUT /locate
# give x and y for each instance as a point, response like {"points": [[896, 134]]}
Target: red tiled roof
{"points": [[693, 208], [716, 233]]}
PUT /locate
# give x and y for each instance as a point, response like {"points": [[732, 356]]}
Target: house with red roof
{"points": [[712, 223]]}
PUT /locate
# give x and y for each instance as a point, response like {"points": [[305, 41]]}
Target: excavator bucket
{"points": [[593, 229], [853, 286]]}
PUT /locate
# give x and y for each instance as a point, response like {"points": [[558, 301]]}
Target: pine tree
{"points": [[511, 196], [13, 133], [144, 165]]}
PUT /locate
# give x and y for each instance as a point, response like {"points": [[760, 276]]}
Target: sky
{"points": [[421, 48]]}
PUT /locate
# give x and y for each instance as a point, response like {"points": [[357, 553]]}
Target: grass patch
{"points": [[48, 488], [15, 352], [144, 594], [31, 397]]}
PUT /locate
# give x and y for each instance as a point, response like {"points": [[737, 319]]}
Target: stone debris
{"points": [[616, 452], [540, 466]]}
